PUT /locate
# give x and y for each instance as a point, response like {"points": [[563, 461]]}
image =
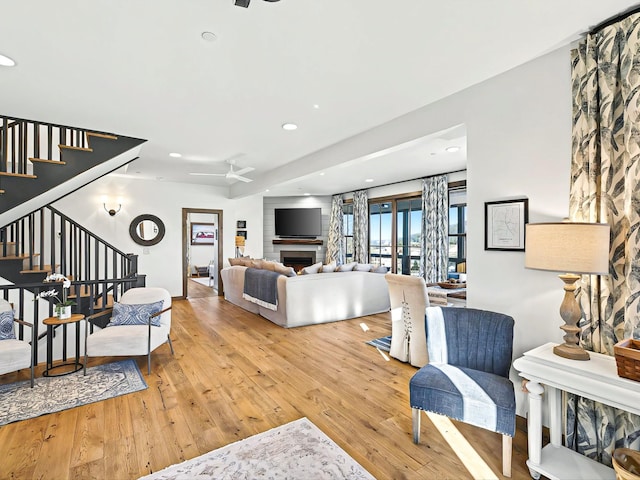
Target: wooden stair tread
{"points": [[21, 175], [44, 160], [102, 135], [82, 149], [22, 256], [35, 269]]}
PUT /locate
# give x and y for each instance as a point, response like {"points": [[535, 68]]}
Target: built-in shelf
{"points": [[296, 241]]}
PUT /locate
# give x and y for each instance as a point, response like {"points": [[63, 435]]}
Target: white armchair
{"points": [[132, 340], [16, 354]]}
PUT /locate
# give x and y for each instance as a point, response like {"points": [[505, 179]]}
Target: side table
{"points": [[51, 322], [550, 375]]}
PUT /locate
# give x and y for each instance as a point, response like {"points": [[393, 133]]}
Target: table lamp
{"points": [[576, 248]]}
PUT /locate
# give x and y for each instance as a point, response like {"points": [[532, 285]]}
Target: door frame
{"points": [[186, 238]]}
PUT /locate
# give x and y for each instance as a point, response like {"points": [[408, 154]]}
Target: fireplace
{"points": [[297, 259]]}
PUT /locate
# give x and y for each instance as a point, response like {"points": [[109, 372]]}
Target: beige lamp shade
{"points": [[580, 248]]}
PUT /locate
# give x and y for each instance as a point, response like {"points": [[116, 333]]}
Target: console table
{"points": [[596, 379]]}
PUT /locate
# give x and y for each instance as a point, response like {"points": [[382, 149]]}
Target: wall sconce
{"points": [[111, 211]]}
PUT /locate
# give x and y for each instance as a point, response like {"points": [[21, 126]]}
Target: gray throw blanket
{"points": [[261, 287]]}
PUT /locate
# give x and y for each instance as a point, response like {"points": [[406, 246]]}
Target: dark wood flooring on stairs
{"points": [[235, 374]]}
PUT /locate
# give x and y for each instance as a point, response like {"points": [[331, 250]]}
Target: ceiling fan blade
{"points": [[244, 179], [209, 174], [244, 170]]}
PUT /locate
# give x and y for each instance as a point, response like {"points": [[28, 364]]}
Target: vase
{"points": [[63, 311]]}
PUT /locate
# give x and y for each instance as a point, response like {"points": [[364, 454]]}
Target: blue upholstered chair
{"points": [[467, 377]]}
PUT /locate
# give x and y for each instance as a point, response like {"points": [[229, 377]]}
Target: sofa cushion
{"points": [[284, 270], [380, 269], [311, 269], [346, 267], [363, 267], [329, 267]]}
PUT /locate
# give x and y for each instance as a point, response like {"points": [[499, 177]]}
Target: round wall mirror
{"points": [[146, 230]]}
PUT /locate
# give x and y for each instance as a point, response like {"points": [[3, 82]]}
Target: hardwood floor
{"points": [[235, 374]]}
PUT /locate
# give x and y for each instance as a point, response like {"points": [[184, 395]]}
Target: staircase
{"points": [[41, 163]]}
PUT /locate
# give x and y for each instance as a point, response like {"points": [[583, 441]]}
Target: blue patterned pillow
{"points": [[135, 314], [6, 325]]}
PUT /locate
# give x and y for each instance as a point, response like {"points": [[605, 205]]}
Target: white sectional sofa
{"points": [[316, 298]]}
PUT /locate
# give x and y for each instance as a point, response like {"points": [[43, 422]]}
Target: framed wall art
{"points": [[504, 225], [203, 233]]}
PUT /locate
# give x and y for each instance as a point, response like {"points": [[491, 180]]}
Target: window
{"points": [[347, 231], [408, 229], [457, 229], [380, 233]]}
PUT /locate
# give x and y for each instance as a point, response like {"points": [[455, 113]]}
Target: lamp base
{"points": [[572, 352]]}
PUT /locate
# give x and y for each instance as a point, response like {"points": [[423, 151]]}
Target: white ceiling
{"points": [[334, 67]]}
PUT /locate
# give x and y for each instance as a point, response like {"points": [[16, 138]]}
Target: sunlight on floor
{"points": [[384, 355], [465, 452]]}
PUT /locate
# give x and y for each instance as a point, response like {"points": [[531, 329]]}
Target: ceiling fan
{"points": [[245, 3], [232, 174]]}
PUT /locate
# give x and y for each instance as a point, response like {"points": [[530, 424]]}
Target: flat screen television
{"points": [[298, 222]]}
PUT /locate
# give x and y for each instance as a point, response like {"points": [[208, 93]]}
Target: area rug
{"points": [[18, 401], [203, 281], [383, 343], [295, 451]]}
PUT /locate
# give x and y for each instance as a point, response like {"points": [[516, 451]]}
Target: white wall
{"points": [[162, 263], [519, 140]]}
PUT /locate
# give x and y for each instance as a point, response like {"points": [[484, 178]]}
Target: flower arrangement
{"points": [[66, 283]]}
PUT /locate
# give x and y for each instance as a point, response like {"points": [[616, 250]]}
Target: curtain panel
{"points": [[335, 239], [604, 188], [360, 226], [434, 232]]}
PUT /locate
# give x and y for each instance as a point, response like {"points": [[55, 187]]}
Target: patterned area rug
{"points": [[383, 343], [18, 401], [296, 450]]}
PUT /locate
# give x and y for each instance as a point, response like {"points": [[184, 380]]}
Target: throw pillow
{"points": [[257, 263], [346, 267], [135, 314], [284, 270], [380, 269], [269, 265], [6, 325], [246, 262], [315, 268], [329, 267], [363, 267], [235, 261]]}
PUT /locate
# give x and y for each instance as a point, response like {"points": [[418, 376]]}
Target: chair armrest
{"points": [[96, 315], [157, 314], [22, 322]]}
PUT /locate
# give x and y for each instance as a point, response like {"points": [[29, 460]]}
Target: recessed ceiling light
{"points": [[321, 173], [6, 61], [289, 126], [175, 155], [368, 180], [267, 190], [307, 194], [209, 36], [452, 149], [316, 106]]}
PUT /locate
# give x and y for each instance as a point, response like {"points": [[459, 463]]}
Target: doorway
{"points": [[202, 249]]}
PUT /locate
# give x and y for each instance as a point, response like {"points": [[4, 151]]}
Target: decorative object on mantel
{"points": [[626, 463], [452, 284], [63, 306], [504, 227], [627, 353], [240, 240], [297, 449], [576, 248]]}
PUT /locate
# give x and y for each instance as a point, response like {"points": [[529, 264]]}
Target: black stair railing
{"points": [[47, 241], [21, 140]]}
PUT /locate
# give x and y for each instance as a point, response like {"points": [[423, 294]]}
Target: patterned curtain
{"points": [[335, 241], [360, 226], [604, 188], [434, 235]]}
